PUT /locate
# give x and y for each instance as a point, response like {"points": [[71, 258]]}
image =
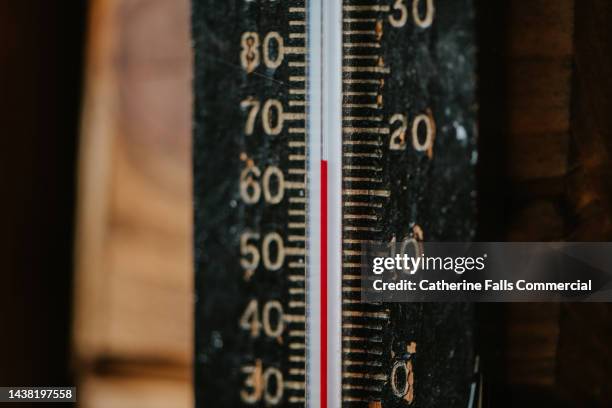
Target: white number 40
{"points": [[271, 319]]}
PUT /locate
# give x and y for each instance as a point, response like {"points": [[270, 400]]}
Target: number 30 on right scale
{"points": [[399, 16]]}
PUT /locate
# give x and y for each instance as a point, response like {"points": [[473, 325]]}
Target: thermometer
{"points": [[322, 126]]}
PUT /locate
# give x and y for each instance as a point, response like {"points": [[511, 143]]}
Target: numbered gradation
{"points": [[251, 202], [409, 153]]}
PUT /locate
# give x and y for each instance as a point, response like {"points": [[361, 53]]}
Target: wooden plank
{"points": [[532, 334], [540, 29], [538, 63], [559, 140], [124, 391], [590, 188], [133, 283], [585, 360], [539, 69], [528, 47]]}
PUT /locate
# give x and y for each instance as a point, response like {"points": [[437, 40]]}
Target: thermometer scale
{"points": [[321, 127]]}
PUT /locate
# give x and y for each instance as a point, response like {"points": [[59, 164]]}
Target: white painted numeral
{"points": [[251, 256], [250, 55], [250, 190], [272, 116], [272, 184], [261, 384], [269, 61], [428, 18], [402, 376], [272, 126], [419, 143], [430, 133], [253, 106], [399, 17], [403, 14], [398, 137], [272, 319], [273, 263]]}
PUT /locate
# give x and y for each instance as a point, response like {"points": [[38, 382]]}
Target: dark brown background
{"points": [[546, 138]]}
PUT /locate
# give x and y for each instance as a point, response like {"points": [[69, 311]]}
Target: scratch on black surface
{"points": [[230, 64]]}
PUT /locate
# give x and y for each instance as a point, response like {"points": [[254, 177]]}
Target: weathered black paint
{"points": [[430, 69], [221, 150]]}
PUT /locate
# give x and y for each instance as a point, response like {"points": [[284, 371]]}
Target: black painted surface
{"points": [[222, 150], [432, 70]]}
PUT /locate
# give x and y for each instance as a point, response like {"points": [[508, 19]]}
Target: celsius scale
{"points": [[321, 126]]}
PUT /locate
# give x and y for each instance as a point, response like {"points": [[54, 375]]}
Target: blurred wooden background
{"points": [[133, 278], [546, 175]]}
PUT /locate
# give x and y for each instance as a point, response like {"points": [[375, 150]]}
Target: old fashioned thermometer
{"points": [[320, 126]]}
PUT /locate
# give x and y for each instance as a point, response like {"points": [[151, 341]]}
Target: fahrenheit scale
{"points": [[321, 126]]}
